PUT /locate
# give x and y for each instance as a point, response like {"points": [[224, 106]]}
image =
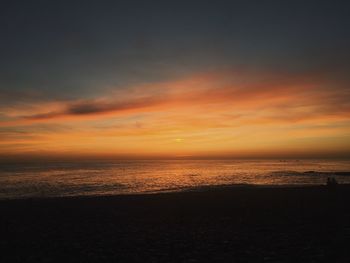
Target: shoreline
{"points": [[204, 188]]}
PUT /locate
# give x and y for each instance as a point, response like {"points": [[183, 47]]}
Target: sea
{"points": [[116, 177]]}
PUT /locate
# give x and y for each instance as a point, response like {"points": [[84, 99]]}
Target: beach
{"points": [[174, 131], [220, 224]]}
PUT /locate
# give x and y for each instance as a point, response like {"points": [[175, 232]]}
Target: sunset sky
{"points": [[175, 79]]}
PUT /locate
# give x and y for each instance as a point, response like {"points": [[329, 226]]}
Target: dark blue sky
{"points": [[71, 49]]}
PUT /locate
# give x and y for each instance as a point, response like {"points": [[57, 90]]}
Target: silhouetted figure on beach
{"points": [[331, 182]]}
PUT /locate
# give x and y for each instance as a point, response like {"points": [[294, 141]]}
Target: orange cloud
{"points": [[214, 89], [207, 113]]}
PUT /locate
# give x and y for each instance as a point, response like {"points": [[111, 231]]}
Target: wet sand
{"points": [[238, 224]]}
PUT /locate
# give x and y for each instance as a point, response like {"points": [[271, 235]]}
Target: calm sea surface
{"points": [[24, 180]]}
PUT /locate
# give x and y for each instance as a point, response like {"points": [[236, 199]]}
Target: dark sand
{"points": [[247, 224]]}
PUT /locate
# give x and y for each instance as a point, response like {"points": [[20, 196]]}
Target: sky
{"points": [[151, 79]]}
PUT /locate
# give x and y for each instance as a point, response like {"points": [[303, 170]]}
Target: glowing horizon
{"points": [[223, 79], [230, 113]]}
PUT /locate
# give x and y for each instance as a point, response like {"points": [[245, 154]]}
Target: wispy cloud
{"points": [[225, 91], [206, 112]]}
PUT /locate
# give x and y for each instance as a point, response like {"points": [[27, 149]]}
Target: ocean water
{"points": [[49, 179]]}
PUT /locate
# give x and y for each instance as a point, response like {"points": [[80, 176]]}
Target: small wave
{"points": [[310, 173]]}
